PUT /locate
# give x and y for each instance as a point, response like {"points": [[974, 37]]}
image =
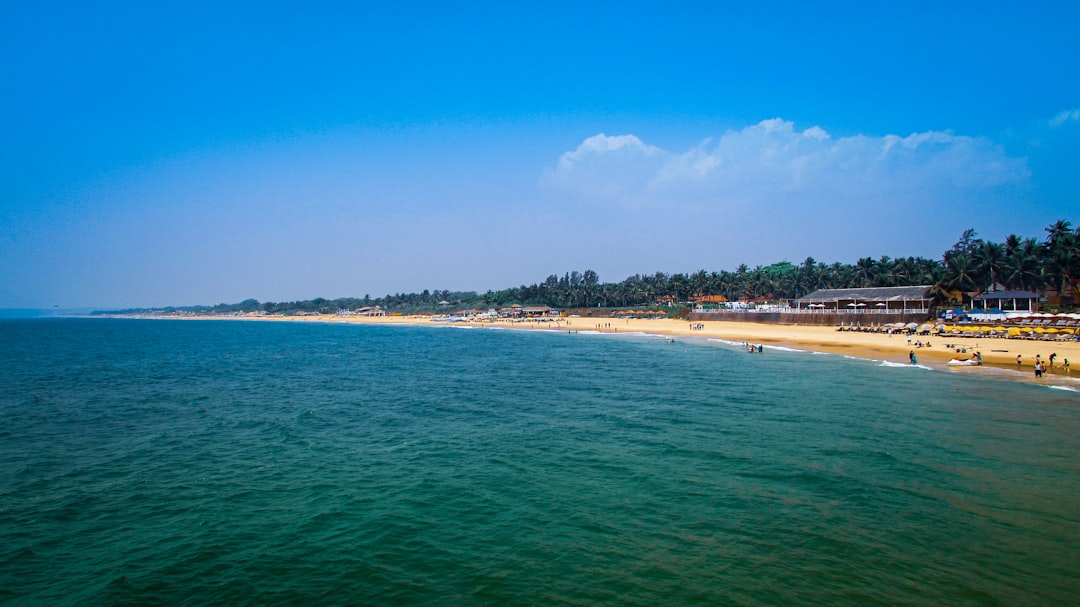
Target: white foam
{"points": [[889, 363], [784, 349], [726, 341], [1065, 388]]}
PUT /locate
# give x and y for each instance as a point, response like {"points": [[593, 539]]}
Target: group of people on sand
{"points": [[1041, 366]]}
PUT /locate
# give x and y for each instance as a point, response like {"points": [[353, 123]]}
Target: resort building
{"points": [[856, 307], [1008, 301], [904, 300], [702, 300]]}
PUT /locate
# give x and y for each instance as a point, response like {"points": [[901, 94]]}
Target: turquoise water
{"points": [[232, 463]]}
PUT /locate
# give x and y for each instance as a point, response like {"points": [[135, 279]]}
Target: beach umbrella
{"points": [[1038, 330], [1067, 330], [1000, 329], [911, 325], [1014, 331], [1051, 331], [985, 329]]}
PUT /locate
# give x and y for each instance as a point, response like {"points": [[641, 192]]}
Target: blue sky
{"points": [[205, 153]]}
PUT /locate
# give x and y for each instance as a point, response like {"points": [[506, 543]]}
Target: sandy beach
{"points": [[997, 353]]}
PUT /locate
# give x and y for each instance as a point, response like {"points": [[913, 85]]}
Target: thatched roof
{"points": [[870, 294]]}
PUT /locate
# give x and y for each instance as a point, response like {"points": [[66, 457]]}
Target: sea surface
{"points": [[147, 462]]}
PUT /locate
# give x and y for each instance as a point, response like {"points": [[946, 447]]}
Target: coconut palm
{"points": [[989, 259], [960, 271], [864, 272], [1063, 258]]}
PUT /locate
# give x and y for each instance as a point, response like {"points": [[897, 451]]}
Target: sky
{"points": [[161, 154]]}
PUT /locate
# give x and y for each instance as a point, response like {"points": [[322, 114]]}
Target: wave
{"points": [[726, 341], [640, 334], [889, 363], [784, 349], [1065, 388]]}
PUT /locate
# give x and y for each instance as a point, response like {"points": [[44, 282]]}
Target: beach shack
{"points": [[892, 300], [536, 311], [1008, 301]]}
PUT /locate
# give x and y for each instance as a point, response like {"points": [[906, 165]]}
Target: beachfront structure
{"points": [[1008, 300], [915, 299], [519, 311], [701, 300], [536, 311]]}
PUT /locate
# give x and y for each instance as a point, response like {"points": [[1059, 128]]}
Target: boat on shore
{"points": [[972, 361]]}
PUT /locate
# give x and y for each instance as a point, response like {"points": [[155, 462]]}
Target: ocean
{"points": [[251, 463]]}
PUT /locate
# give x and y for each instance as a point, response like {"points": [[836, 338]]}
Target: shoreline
{"points": [[998, 354]]}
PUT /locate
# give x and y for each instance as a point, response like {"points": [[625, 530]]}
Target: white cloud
{"points": [[772, 161], [1064, 117], [607, 167], [601, 144]]}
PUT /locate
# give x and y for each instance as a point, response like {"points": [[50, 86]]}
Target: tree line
{"points": [[1051, 263]]}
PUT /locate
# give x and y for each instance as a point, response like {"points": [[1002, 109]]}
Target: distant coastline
{"points": [[44, 312]]}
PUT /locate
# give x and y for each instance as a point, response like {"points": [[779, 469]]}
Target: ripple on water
{"points": [[251, 463]]}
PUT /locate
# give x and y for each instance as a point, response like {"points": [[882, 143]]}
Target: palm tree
{"points": [[1022, 267], [888, 272], [989, 259], [1012, 243], [679, 284], [1058, 229], [959, 271], [864, 272], [699, 282], [1063, 258]]}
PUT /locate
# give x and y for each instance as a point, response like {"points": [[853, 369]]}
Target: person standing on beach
{"points": [[911, 357], [1017, 360], [1053, 355]]}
